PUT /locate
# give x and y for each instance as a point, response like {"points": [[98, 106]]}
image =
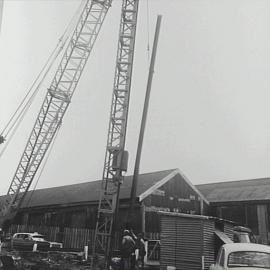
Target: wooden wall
{"points": [[174, 196]]}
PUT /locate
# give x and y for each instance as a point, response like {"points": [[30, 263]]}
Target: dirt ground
{"points": [[28, 260]]}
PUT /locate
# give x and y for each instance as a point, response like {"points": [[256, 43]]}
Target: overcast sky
{"points": [[1, 10], [209, 112]]}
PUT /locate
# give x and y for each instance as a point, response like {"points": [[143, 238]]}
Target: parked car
{"points": [[27, 241], [244, 256]]}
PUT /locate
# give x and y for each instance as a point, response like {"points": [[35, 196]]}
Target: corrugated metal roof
{"points": [[89, 191], [234, 191]]}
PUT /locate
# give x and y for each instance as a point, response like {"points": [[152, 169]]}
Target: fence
{"points": [[77, 238]]}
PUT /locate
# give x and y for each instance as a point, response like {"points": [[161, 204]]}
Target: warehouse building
{"points": [[76, 205], [247, 202]]}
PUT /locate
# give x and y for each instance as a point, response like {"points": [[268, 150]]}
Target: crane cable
{"points": [[23, 107], [49, 63], [28, 93], [148, 30], [23, 110]]}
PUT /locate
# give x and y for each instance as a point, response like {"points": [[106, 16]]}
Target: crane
{"points": [[116, 156], [57, 101], [55, 104]]}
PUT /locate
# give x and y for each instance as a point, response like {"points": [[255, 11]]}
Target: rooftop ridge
{"points": [[235, 181], [94, 181]]}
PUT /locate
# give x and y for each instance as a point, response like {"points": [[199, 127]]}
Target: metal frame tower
{"points": [[115, 154], [56, 102]]}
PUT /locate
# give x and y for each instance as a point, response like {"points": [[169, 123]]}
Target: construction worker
{"points": [[140, 245], [140, 248], [127, 249]]}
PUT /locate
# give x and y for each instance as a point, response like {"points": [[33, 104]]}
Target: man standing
{"points": [[127, 249], [140, 245]]}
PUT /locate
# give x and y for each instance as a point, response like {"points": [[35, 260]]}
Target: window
{"points": [[249, 259], [220, 257], [20, 236], [26, 236]]}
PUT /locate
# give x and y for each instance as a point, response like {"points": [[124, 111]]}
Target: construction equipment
{"points": [[55, 103], [144, 118], [116, 156]]}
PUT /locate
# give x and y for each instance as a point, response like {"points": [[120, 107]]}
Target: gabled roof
{"points": [[166, 179], [236, 191], [89, 191]]}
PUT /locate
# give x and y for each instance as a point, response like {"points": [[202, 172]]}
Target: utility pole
{"points": [[144, 117]]}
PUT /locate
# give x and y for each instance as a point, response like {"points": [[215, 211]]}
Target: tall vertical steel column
{"points": [[56, 102], [113, 165], [144, 118]]}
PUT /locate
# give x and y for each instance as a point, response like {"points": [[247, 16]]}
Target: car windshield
{"points": [[249, 259]]}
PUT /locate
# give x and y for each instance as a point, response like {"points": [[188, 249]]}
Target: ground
{"points": [[28, 260]]}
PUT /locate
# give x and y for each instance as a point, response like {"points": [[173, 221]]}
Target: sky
{"points": [[209, 108], [1, 10]]}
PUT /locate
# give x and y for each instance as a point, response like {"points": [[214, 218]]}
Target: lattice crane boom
{"points": [[56, 102], [112, 173]]}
